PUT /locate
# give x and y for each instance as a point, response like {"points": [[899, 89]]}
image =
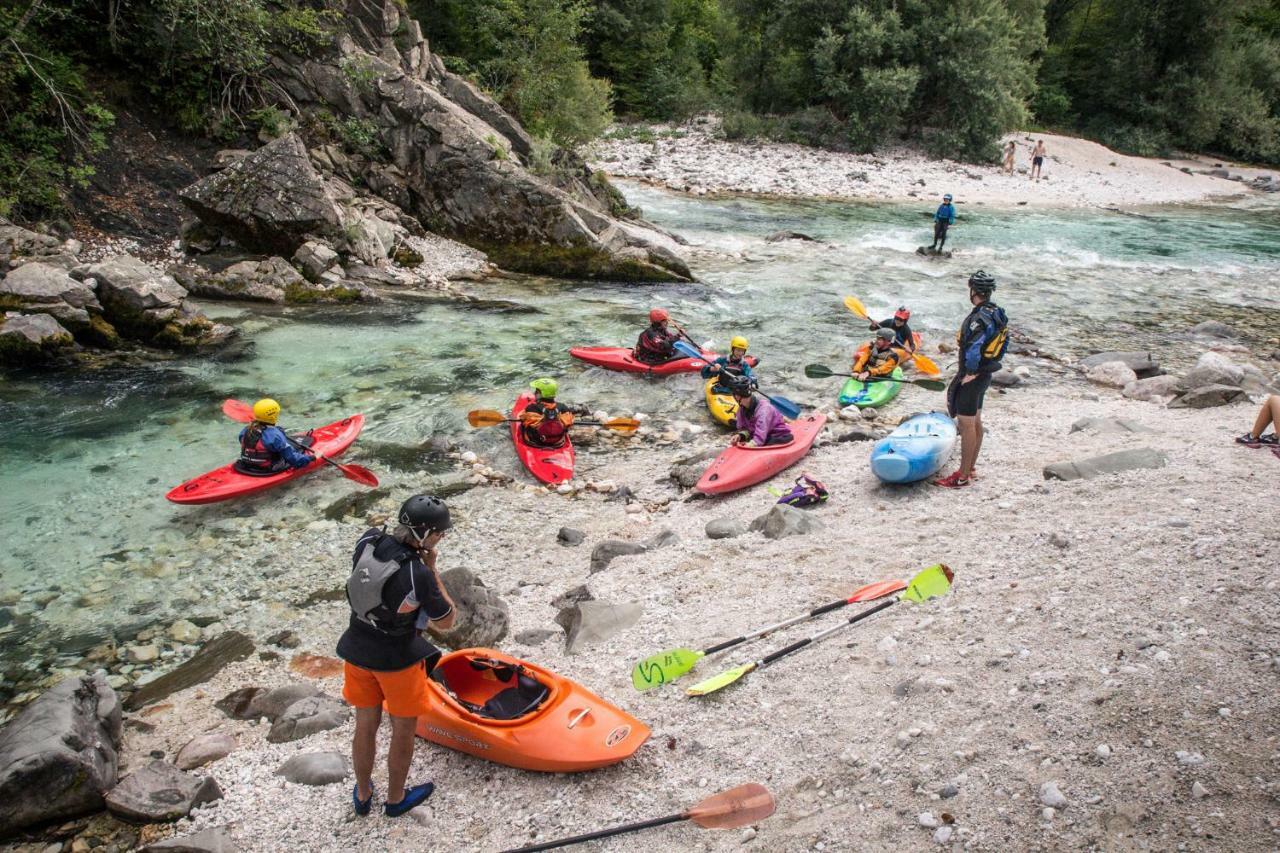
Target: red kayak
{"points": [[621, 358], [226, 482], [739, 467], [548, 465]]}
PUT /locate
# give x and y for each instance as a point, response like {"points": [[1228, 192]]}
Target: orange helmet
{"points": [[658, 315], [902, 314]]}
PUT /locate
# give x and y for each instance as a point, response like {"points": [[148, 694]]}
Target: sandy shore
{"points": [[1134, 612], [1077, 173]]}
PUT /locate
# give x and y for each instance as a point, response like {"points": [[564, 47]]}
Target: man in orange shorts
{"points": [[394, 591]]}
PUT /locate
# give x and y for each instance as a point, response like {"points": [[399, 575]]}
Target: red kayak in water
{"points": [[738, 467], [226, 482], [552, 465], [622, 358]]}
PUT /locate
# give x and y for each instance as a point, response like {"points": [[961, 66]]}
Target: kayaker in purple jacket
{"points": [[759, 423]]}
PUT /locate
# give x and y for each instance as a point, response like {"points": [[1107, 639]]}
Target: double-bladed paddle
{"points": [[665, 667], [821, 371], [731, 809], [930, 583], [489, 417], [924, 363], [789, 409], [243, 412]]}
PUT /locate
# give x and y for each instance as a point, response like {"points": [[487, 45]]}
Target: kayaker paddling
{"points": [[544, 422], [656, 344], [878, 359], [902, 334], [733, 364], [759, 423], [265, 449], [394, 592]]}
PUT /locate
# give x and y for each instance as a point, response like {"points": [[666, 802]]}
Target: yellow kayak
{"points": [[723, 407]]}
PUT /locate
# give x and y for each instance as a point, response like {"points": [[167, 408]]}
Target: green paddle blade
{"points": [[818, 371], [930, 583], [930, 384], [663, 667], [721, 681]]}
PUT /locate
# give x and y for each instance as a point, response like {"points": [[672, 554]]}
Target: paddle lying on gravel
{"points": [[243, 412], [665, 667], [821, 371], [930, 583], [489, 417], [789, 409], [924, 363], [731, 809]]}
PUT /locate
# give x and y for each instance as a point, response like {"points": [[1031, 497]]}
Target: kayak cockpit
{"points": [[490, 688]]}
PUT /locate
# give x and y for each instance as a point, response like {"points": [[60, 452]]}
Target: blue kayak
{"points": [[915, 450]]}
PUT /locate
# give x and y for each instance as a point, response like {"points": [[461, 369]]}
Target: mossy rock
{"points": [[404, 256], [301, 294], [584, 262], [183, 334], [101, 334]]}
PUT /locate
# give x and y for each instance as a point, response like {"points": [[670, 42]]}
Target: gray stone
{"points": [[32, 339], [1006, 379], [1141, 363], [1153, 388], [780, 236], [860, 433], [480, 105], [204, 664], [572, 596], [274, 702], [1113, 374], [1214, 329], [315, 259], [48, 289], [20, 245], [590, 622], [1214, 368], [148, 305], [569, 536], [251, 281], [783, 520], [203, 749], [1209, 396], [1108, 425], [236, 703], [725, 528], [59, 756], [534, 636], [160, 792], [213, 840], [307, 717], [315, 768], [1052, 797], [604, 553], [1111, 463], [482, 616]]}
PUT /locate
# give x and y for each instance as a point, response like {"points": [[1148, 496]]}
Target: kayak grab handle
{"points": [[577, 719]]}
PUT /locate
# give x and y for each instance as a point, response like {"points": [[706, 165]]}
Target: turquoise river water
{"points": [[86, 458]]}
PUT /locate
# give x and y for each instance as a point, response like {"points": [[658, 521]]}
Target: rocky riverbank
{"points": [[1102, 674]]}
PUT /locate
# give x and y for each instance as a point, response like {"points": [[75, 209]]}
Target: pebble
{"points": [[748, 834], [1199, 791], [948, 791], [1189, 759], [927, 820], [634, 509], [1103, 751], [184, 632], [1048, 813], [942, 835], [1051, 796], [141, 654], [469, 456]]}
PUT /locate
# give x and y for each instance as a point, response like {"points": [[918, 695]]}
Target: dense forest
{"points": [[1145, 76]]}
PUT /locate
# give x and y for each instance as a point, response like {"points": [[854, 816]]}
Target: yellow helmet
{"points": [[266, 411], [738, 342]]}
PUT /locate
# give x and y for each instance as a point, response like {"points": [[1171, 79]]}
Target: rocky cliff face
{"points": [[448, 155]]}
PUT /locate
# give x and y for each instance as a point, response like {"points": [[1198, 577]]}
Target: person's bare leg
{"points": [[400, 756], [979, 433], [970, 440], [1268, 415], [364, 749]]}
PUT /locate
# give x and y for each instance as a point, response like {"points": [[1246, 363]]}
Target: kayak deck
{"points": [[623, 359], [738, 467]]}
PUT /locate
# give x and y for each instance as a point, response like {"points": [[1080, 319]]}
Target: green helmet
{"points": [[546, 388]]}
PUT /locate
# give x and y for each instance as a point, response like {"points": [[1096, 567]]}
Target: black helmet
{"points": [[982, 284], [740, 385], [424, 515], [885, 334]]}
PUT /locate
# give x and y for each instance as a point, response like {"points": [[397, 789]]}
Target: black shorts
{"points": [[966, 400], [940, 230], [1037, 161]]}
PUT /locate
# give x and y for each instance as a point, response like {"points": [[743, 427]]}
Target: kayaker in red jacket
{"points": [[544, 422], [758, 422], [657, 343]]}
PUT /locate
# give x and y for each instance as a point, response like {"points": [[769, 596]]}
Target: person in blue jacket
{"points": [[264, 447], [735, 363], [943, 219], [981, 343]]}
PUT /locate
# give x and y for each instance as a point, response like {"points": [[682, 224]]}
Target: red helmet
{"points": [[902, 314], [657, 315]]}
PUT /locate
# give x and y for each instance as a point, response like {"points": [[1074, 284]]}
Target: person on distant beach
{"points": [[265, 449], [943, 219], [758, 422], [544, 422], [657, 343], [1037, 159], [1269, 416], [903, 336], [981, 343], [878, 359], [394, 592], [733, 364], [1010, 150]]}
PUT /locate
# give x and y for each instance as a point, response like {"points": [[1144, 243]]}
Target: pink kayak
{"points": [[739, 467], [621, 358]]}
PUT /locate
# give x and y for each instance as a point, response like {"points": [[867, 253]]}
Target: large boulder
{"points": [[20, 245], [149, 305], [315, 768], [1214, 368], [308, 716], [482, 616], [59, 756], [49, 290], [32, 339], [455, 159], [1111, 463], [1209, 396], [160, 792], [783, 520], [1113, 374], [588, 622], [1141, 363], [604, 553], [1153, 388]]}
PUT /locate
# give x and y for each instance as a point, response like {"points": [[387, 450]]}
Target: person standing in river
{"points": [[1037, 160], [394, 592], [981, 341], [943, 218]]}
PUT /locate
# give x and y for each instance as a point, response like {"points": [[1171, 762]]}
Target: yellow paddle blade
{"points": [[926, 365], [736, 807], [485, 417], [930, 583], [852, 303], [663, 667], [721, 681]]}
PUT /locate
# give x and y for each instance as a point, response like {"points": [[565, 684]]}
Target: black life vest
{"points": [[377, 563], [254, 455]]}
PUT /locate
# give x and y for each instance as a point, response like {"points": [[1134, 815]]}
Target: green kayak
{"points": [[870, 394]]}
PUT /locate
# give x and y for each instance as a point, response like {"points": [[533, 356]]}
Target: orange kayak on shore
{"points": [[509, 711]]}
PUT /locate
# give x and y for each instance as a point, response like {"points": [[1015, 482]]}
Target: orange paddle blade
{"points": [[622, 425], [880, 589], [485, 418], [852, 303], [740, 806], [926, 365], [238, 411]]}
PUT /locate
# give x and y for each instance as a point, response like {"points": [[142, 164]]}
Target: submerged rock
{"points": [[1111, 463], [204, 664], [161, 792]]}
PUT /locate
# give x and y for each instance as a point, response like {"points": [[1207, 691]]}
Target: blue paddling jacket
{"points": [[946, 213]]}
